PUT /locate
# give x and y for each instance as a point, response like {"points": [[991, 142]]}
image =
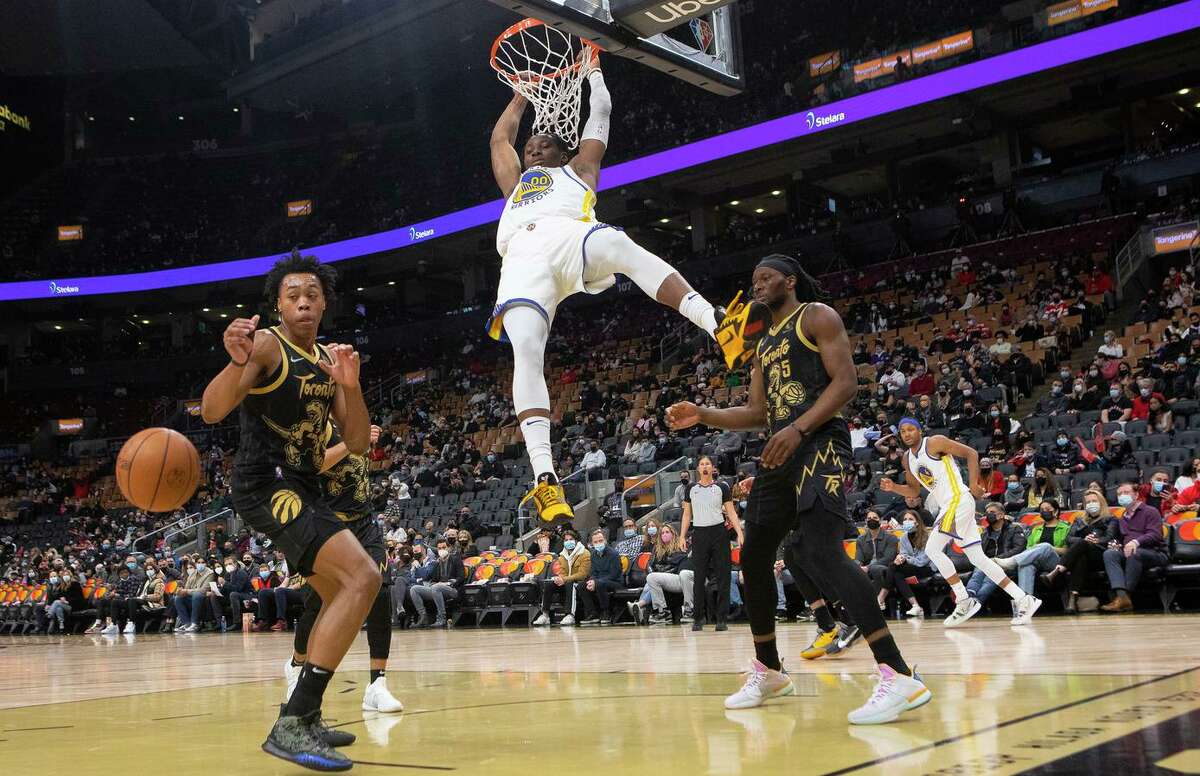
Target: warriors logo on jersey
{"points": [[925, 475], [534, 184]]}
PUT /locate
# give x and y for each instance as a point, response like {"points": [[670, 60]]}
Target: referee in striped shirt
{"points": [[706, 505]]}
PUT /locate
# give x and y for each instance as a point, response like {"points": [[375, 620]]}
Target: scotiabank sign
{"points": [[824, 64], [299, 208], [650, 17], [69, 425], [948, 46], [1180, 237], [1061, 13]]}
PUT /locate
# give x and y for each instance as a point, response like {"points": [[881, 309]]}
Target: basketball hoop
{"points": [[547, 67]]}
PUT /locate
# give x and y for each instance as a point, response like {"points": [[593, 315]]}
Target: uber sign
{"points": [[650, 17]]}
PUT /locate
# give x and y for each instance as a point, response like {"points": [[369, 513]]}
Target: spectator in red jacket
{"points": [[922, 383], [993, 481], [1141, 402], [1099, 282], [1158, 492]]}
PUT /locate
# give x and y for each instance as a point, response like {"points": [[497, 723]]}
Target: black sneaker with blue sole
{"points": [[295, 739]]}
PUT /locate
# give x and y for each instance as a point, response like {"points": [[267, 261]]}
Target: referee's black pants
{"points": [[711, 559]]}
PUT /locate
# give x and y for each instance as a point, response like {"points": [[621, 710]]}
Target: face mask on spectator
{"points": [[229, 567], [967, 392], [1047, 514], [1056, 390], [1182, 360], [264, 574], [630, 533], [200, 566], [668, 537], [131, 566], [652, 529], [1114, 393], [443, 552], [909, 525], [568, 544], [995, 413], [598, 546], [54, 580], [1065, 374], [873, 524], [1124, 499], [1062, 441], [1144, 392], [1092, 508], [1013, 486], [1158, 486]]}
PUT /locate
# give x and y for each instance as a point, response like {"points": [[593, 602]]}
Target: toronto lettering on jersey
{"points": [[319, 390], [775, 354]]}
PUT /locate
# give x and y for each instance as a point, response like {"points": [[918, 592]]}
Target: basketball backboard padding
{"points": [[718, 71]]}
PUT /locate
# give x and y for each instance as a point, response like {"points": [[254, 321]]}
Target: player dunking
{"points": [[347, 488], [802, 376], [553, 247], [288, 387], [930, 461]]}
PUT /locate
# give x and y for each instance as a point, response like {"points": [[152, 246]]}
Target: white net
{"points": [[547, 67]]}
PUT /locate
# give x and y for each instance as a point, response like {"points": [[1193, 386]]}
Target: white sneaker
{"points": [[95, 627], [291, 675], [1024, 609], [762, 684], [543, 619], [193, 628], [965, 610], [110, 630], [568, 620], [894, 694], [377, 698], [916, 611], [130, 628]]}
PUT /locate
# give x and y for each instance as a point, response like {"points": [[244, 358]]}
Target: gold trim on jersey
{"points": [[947, 523], [833, 483], [283, 372], [800, 331], [774, 331], [313, 357]]}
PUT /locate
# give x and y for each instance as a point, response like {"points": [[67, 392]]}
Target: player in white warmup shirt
{"points": [[552, 247], [930, 462]]}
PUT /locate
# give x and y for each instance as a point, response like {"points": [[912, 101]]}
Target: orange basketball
{"points": [[158, 470]]}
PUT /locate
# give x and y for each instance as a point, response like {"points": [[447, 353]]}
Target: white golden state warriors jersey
{"points": [[545, 192], [941, 477]]}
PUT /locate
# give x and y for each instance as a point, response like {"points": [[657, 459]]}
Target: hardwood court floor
{"points": [[1091, 694]]}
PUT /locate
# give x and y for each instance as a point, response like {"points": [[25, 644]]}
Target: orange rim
{"points": [[520, 27]]}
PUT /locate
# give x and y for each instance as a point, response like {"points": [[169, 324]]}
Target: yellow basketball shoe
{"points": [[821, 645], [549, 500], [739, 327]]}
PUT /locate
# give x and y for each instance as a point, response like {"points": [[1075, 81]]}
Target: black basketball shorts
{"points": [[291, 511]]}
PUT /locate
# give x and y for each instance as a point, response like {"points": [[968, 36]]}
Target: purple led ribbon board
{"points": [[976, 75]]}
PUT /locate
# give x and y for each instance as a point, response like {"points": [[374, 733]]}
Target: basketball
{"points": [[158, 470]]}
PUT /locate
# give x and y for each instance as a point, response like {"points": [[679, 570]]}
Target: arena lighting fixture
{"points": [[735, 203], [360, 288], [223, 315], [131, 118], [203, 309], [180, 118], [239, 305], [760, 210], [776, 193], [664, 220], [237, 110], [391, 282], [1184, 92], [57, 327], [146, 321], [689, 227], [1087, 44]]}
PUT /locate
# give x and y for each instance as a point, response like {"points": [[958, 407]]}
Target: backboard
{"points": [[698, 41]]}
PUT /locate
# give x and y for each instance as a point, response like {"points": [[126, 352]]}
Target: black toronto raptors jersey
{"points": [[795, 377], [346, 485], [792, 371], [283, 419]]}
